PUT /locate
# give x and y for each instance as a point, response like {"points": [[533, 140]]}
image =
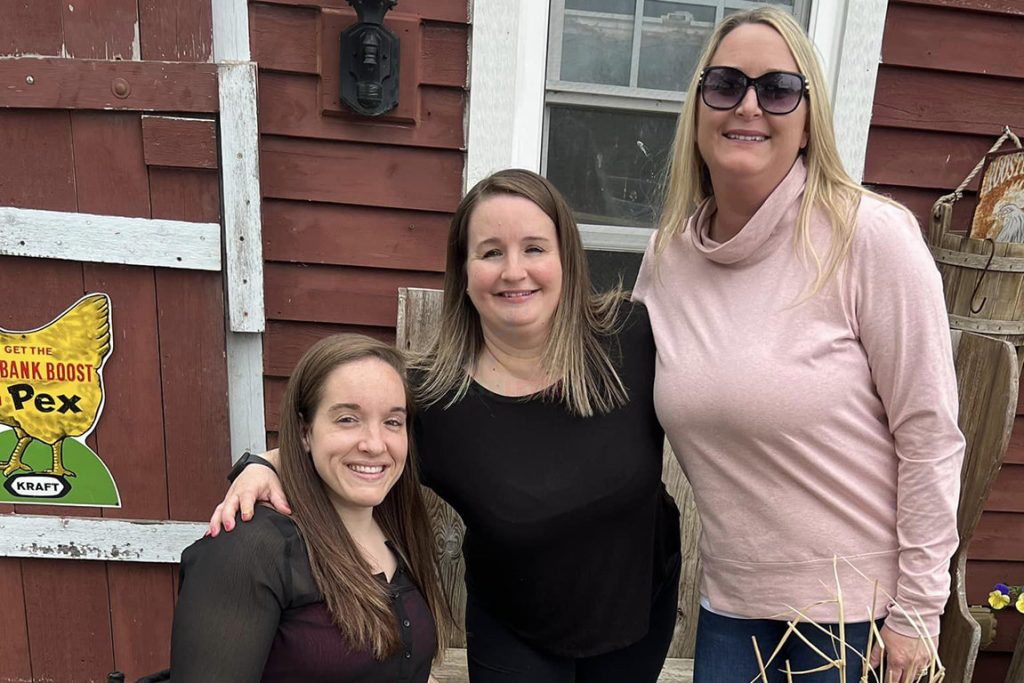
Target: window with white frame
{"points": [[617, 72]]}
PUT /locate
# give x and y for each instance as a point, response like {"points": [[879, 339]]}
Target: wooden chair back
{"points": [[419, 313], [987, 372]]}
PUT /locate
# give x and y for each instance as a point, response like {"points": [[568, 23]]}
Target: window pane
{"points": [[597, 41], [672, 37], [609, 164], [606, 267]]}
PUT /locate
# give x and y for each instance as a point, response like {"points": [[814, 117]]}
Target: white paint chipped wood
{"points": [[109, 239], [95, 539], [246, 422], [243, 243]]}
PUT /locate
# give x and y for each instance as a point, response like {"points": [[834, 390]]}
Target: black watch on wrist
{"points": [[246, 460]]}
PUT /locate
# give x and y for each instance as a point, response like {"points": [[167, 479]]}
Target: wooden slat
{"points": [[343, 295], [924, 159], [87, 84], [130, 433], [193, 369], [444, 54], [290, 105], [285, 342], [67, 604], [992, 666], [920, 202], [454, 670], [1008, 491], [998, 537], [1015, 451], [274, 392], [354, 236], [943, 101], [31, 28], [455, 11], [176, 30], [34, 175], [953, 40], [179, 142], [14, 649], [101, 30], [110, 173], [1011, 7], [351, 173], [285, 38], [55, 286], [141, 611]]}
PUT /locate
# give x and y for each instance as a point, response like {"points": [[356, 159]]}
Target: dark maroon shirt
{"points": [[249, 610]]}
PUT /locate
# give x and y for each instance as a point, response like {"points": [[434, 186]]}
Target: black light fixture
{"points": [[369, 60]]}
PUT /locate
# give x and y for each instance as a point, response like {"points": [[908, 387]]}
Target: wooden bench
{"points": [[987, 373]]}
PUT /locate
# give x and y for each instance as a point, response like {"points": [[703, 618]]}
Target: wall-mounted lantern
{"points": [[369, 60]]}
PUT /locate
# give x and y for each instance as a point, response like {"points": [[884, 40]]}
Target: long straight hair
{"points": [[359, 604], [829, 188], [575, 353]]}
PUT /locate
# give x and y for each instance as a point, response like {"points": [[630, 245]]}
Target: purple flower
{"points": [[1003, 588]]}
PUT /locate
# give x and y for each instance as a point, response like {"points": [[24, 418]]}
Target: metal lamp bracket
{"points": [[369, 60]]}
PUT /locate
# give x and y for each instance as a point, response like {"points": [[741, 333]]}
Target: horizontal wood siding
{"points": [[74, 140], [951, 76], [353, 207]]}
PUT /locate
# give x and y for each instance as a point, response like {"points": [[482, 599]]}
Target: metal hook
{"points": [[981, 278]]}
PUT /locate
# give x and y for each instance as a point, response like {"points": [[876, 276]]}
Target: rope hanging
{"points": [[959, 191]]}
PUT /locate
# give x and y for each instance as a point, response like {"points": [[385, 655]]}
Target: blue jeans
{"points": [[725, 653]]}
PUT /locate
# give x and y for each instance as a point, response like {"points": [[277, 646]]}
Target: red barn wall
{"points": [[353, 207], [951, 76]]}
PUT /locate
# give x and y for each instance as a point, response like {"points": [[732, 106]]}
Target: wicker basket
{"points": [[983, 280]]}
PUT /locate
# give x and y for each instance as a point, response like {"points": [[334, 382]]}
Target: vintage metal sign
{"points": [[51, 396]]}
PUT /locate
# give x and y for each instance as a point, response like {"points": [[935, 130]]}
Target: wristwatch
{"points": [[246, 460]]}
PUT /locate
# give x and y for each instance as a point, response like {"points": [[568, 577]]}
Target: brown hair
{"points": [[358, 603], [585, 378]]}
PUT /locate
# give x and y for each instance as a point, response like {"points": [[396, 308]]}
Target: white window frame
{"points": [[508, 77]]}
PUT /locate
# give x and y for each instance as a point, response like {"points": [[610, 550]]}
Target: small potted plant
{"points": [[1004, 595]]}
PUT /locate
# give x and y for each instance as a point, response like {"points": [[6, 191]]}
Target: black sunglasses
{"points": [[778, 92]]}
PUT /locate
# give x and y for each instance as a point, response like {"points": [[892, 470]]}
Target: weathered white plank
{"points": [[109, 239], [243, 243], [506, 95], [81, 538], [246, 420], [230, 31], [849, 38]]}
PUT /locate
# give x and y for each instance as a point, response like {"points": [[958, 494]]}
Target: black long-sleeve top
{"points": [[249, 610], [569, 530]]}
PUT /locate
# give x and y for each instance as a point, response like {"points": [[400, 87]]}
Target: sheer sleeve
{"points": [[233, 590]]}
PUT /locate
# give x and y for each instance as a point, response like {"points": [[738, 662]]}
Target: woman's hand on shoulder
{"points": [[256, 483]]}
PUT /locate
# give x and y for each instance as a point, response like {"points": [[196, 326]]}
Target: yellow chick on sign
{"points": [[50, 382]]}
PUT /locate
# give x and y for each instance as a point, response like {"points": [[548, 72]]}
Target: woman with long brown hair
{"points": [[537, 425], [346, 588]]}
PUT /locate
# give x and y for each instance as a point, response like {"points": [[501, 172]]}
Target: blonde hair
{"points": [[574, 355], [829, 189]]}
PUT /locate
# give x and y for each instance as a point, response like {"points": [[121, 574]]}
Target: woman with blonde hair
{"points": [[804, 373], [537, 425], [346, 588]]}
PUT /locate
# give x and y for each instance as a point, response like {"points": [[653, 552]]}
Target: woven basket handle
{"points": [[943, 208]]}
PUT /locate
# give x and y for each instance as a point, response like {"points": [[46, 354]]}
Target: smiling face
{"points": [[357, 437], [513, 267], [745, 146]]}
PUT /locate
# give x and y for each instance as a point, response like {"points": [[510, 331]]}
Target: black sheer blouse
{"points": [[249, 610]]}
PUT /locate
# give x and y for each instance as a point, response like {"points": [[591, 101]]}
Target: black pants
{"points": [[496, 655]]}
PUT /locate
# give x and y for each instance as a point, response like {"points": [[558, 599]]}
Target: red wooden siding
{"points": [[952, 75], [163, 433], [353, 207]]}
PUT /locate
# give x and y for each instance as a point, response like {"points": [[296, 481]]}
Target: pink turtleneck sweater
{"points": [[815, 428]]}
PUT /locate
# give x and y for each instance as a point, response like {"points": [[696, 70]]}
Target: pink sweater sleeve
{"points": [[901, 316]]}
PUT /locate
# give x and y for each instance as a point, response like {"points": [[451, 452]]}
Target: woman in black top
{"points": [[306, 598], [537, 425]]}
